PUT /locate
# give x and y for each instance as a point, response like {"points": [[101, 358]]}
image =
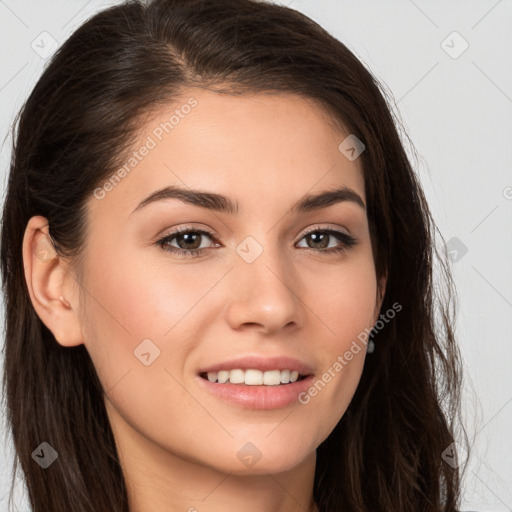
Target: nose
{"points": [[266, 294]]}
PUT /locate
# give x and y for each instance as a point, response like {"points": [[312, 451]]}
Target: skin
{"points": [[178, 443]]}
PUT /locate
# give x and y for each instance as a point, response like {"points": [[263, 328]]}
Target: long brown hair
{"points": [[386, 452]]}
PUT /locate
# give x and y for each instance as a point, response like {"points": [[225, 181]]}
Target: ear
{"points": [[381, 292], [53, 290]]}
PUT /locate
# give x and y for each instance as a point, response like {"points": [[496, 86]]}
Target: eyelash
{"points": [[347, 241]]}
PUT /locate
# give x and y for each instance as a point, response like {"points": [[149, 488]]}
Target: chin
{"points": [[254, 459]]}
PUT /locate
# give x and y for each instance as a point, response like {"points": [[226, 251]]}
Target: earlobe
{"points": [[48, 283]]}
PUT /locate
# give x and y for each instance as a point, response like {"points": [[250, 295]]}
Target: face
{"points": [[285, 282]]}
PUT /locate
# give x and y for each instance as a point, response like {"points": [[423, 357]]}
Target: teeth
{"points": [[271, 378], [254, 377], [236, 377], [250, 377], [222, 377]]}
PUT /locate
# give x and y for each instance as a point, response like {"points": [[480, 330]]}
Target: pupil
{"points": [[189, 237], [323, 236]]}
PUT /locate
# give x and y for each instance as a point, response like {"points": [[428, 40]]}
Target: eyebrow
{"points": [[223, 204]]}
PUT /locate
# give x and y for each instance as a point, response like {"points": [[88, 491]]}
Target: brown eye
{"points": [[321, 240], [186, 242], [189, 240]]}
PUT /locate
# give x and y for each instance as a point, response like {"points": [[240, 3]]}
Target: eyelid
{"points": [[187, 228], [318, 227]]}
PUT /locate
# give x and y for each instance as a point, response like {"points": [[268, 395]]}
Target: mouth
{"points": [[255, 389], [254, 377]]}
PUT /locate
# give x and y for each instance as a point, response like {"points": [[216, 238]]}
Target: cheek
{"points": [[344, 302], [125, 305], [135, 299], [344, 298]]}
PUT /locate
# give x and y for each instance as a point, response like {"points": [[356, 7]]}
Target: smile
{"points": [[253, 377]]}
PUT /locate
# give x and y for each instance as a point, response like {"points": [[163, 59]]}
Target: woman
{"points": [[217, 265]]}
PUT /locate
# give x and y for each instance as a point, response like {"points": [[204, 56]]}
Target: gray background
{"points": [[457, 108]]}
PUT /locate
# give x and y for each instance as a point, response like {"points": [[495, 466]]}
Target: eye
{"points": [[321, 239], [188, 242]]}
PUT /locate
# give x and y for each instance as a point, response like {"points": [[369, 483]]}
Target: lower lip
{"points": [[257, 397]]}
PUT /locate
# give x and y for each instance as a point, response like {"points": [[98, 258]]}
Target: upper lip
{"points": [[260, 363]]}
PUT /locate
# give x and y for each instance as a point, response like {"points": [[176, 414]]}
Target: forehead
{"points": [[257, 147]]}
